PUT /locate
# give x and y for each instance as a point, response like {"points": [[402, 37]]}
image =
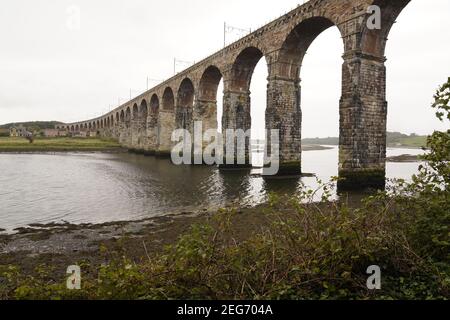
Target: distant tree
{"points": [[29, 136]]}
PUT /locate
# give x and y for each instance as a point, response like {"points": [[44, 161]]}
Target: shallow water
{"points": [[97, 188]]}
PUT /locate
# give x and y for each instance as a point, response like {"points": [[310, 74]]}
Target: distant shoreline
{"points": [[394, 140], [315, 147], [9, 145]]}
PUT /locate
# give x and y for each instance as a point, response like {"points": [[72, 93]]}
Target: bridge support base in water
{"points": [[163, 154], [246, 166], [292, 168], [286, 169], [231, 167], [350, 180]]}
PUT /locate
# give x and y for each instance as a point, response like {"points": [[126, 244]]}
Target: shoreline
{"points": [[61, 245], [55, 149], [67, 151], [404, 158], [15, 145], [58, 238], [119, 149]]}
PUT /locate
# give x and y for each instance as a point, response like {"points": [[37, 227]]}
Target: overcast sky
{"points": [[51, 70]]}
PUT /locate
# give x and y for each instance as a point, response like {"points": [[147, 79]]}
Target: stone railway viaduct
{"points": [[146, 122]]}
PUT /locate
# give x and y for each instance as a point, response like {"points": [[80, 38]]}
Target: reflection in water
{"points": [[95, 188]]}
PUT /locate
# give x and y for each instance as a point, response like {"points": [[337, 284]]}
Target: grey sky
{"points": [[50, 72]]}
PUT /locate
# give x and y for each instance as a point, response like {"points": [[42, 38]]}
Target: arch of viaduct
{"points": [[146, 122]]}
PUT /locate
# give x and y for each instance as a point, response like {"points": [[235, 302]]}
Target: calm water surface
{"points": [[97, 188]]}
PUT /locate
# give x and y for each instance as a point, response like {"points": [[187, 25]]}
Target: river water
{"points": [[100, 187]]}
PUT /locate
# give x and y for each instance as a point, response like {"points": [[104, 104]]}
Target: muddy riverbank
{"points": [[61, 245]]}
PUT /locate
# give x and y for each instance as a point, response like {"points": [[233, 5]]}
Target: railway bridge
{"points": [[146, 122]]}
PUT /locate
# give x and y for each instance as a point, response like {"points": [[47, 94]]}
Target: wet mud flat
{"points": [[61, 245]]}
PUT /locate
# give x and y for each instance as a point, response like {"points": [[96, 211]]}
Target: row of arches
{"points": [[181, 102], [362, 101]]}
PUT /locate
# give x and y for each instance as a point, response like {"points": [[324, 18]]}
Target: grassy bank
{"points": [[409, 142], [394, 140], [63, 144]]}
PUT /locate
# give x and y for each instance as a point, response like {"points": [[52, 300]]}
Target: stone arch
{"points": [[128, 117], [242, 69], [122, 116], [142, 125], [166, 123], [285, 114], [373, 42], [153, 112], [296, 45], [168, 100], [135, 112], [237, 100], [185, 104], [134, 129], [154, 104], [186, 93], [143, 111], [362, 148], [205, 108], [152, 124], [209, 84]]}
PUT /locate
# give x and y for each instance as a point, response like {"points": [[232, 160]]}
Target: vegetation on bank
{"points": [[394, 139], [33, 125], [306, 250], [61, 144]]}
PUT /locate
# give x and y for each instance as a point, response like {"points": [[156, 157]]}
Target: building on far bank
{"points": [[80, 134], [13, 132], [62, 133], [4, 133], [19, 131], [50, 133], [53, 133], [61, 127]]}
